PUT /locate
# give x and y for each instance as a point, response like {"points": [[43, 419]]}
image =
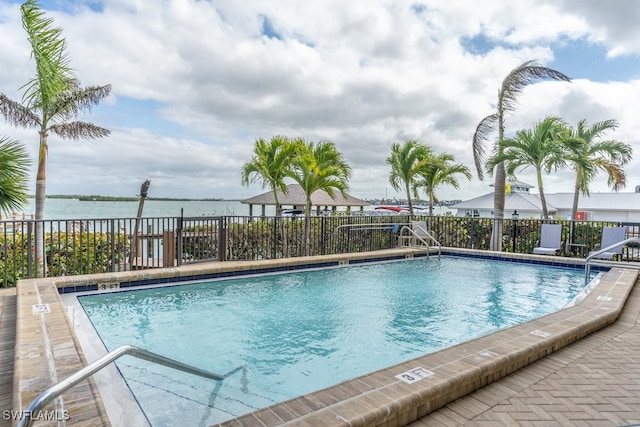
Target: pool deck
{"points": [[552, 379], [592, 382]]}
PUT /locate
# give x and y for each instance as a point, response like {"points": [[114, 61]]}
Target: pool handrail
{"points": [[56, 390], [412, 230], [372, 226], [594, 254]]}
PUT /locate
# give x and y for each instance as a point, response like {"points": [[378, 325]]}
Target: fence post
{"points": [[179, 238], [169, 248], [323, 231], [150, 241], [222, 240], [31, 249]]}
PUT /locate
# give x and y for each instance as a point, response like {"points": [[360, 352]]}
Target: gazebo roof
{"points": [[296, 197]]}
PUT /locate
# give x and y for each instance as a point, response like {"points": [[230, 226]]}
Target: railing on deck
{"points": [[102, 245]]}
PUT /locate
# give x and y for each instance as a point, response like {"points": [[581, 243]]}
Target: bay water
{"points": [[76, 209]]}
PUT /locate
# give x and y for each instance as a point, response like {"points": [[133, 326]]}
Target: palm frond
{"points": [[589, 156], [79, 130], [77, 100], [522, 76], [16, 114], [485, 128], [14, 170], [53, 73], [617, 177], [271, 162]]}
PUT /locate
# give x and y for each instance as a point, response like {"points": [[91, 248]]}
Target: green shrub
{"points": [[67, 254], [84, 253]]}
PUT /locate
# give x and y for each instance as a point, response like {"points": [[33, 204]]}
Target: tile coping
{"points": [[393, 396]]}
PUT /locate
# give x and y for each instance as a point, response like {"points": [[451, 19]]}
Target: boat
{"points": [[393, 208], [292, 212]]}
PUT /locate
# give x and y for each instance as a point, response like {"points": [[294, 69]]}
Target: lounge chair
{"points": [[550, 240], [420, 231], [610, 236]]}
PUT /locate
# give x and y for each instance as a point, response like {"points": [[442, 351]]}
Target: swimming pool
{"points": [[298, 332]]}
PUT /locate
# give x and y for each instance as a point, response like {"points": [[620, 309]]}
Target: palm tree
{"points": [[271, 163], [51, 99], [406, 160], [588, 156], [540, 148], [319, 166], [512, 85], [438, 171], [14, 169]]}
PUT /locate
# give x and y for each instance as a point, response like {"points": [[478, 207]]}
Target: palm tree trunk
{"points": [[545, 212], [430, 204], [307, 225], [406, 186], [275, 198], [498, 208], [574, 211], [41, 193], [576, 197], [431, 197], [498, 196], [280, 226], [543, 200]]}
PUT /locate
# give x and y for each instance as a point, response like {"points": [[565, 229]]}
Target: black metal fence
{"points": [[101, 245]]}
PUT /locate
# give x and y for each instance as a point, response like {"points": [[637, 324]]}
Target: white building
{"points": [[619, 207]]}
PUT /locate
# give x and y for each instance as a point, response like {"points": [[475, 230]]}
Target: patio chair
{"points": [[610, 236], [550, 240], [420, 230]]}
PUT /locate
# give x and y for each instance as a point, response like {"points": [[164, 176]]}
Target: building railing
{"points": [[84, 246]]}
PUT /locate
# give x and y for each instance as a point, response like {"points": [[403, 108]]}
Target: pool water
{"points": [[298, 332]]}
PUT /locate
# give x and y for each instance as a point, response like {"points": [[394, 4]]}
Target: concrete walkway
{"points": [[593, 382]]}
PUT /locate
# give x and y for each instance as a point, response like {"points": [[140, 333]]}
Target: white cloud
{"points": [[363, 74]]}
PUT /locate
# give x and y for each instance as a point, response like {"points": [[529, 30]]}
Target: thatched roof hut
{"points": [[296, 198]]}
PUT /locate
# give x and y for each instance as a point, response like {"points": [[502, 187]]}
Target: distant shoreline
{"points": [[98, 198]]}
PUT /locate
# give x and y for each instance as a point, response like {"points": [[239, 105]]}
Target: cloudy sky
{"points": [[195, 83]]}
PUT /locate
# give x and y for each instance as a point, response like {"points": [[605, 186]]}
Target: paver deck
{"points": [[7, 344], [593, 382]]}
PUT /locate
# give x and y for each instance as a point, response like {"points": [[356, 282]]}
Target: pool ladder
{"points": [[594, 255], [84, 373], [418, 232]]}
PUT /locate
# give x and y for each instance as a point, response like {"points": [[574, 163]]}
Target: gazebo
{"points": [[296, 198]]}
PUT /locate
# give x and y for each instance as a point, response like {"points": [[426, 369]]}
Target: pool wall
{"points": [[47, 348]]}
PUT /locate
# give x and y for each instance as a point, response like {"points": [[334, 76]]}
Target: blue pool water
{"points": [[301, 331]]}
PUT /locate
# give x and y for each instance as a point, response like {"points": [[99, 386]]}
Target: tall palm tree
{"points": [[588, 156], [512, 85], [271, 163], [14, 169], [319, 166], [52, 99], [406, 160], [439, 170], [539, 148]]}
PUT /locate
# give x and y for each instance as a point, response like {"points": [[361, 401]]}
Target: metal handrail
{"points": [[51, 393], [592, 255], [413, 230], [370, 226]]}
